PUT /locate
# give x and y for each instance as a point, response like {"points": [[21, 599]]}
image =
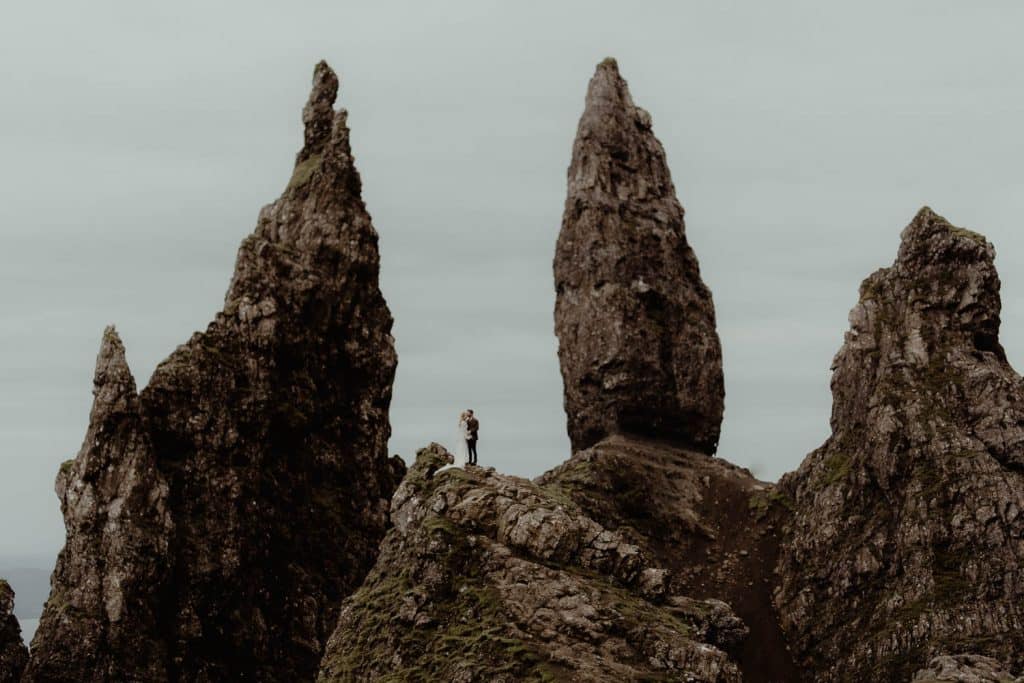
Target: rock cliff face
{"points": [[487, 577], [216, 521], [13, 653], [636, 325], [712, 524], [907, 535], [101, 620]]}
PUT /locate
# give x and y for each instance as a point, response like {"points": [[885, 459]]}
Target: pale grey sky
{"points": [[140, 140]]}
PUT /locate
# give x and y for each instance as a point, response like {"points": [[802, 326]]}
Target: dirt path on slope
{"points": [[739, 569]]}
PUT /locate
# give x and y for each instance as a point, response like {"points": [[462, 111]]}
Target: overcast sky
{"points": [[139, 141]]}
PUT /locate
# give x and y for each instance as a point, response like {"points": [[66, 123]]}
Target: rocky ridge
{"points": [[216, 521], [13, 653], [638, 347], [906, 539], [489, 577]]}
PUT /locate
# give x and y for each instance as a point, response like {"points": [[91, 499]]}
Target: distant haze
{"points": [[140, 140]]}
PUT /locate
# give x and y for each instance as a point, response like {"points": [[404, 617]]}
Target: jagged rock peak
{"points": [[318, 229], [318, 114], [638, 346], [233, 503], [101, 613], [953, 270], [961, 261], [13, 653], [904, 542], [926, 224], [113, 384], [607, 88], [326, 155], [935, 310], [611, 125]]}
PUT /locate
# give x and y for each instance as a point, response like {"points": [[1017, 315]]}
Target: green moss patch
{"points": [[761, 502], [304, 171], [468, 632], [837, 468], [969, 234]]}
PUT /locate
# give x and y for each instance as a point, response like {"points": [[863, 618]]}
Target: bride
{"points": [[461, 454]]}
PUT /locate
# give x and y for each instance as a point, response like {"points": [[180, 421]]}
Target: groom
{"points": [[473, 425]]}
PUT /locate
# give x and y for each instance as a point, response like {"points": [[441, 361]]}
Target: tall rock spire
{"points": [[318, 114], [102, 613], [636, 325], [905, 538], [268, 432]]}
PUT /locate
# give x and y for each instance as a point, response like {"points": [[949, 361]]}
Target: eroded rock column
{"points": [[636, 325]]}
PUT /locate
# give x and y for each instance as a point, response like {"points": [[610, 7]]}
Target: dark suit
{"points": [[473, 426]]}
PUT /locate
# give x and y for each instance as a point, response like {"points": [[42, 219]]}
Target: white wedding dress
{"points": [[461, 452]]}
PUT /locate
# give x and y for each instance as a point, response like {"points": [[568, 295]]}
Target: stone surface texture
{"points": [[638, 346], [906, 540], [488, 577], [712, 524], [13, 653], [965, 669], [101, 622], [216, 521]]}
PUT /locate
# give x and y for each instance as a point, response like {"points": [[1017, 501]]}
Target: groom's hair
{"points": [[469, 410]]}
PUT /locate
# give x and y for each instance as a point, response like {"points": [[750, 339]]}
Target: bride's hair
{"points": [[463, 415]]}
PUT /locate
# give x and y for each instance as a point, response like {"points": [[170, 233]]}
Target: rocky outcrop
{"points": [[101, 621], [712, 524], [488, 577], [636, 325], [907, 535], [13, 653], [216, 521]]}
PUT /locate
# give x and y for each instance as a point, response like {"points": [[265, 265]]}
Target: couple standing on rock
{"points": [[465, 442]]}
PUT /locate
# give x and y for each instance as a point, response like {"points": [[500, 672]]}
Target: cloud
{"points": [[141, 141]]}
